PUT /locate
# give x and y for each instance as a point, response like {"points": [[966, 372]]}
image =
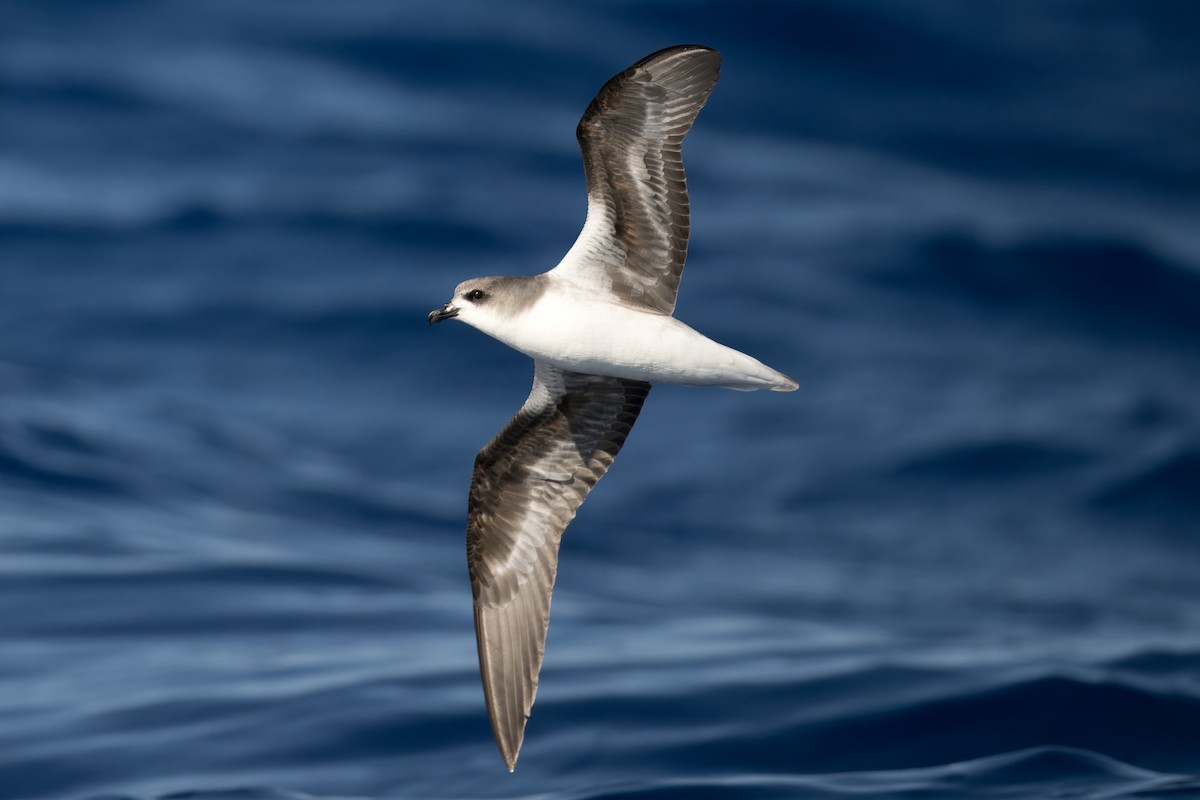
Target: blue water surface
{"points": [[961, 562]]}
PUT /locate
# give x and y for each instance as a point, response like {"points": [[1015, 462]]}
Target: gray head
{"points": [[485, 303]]}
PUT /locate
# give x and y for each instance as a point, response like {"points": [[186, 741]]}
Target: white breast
{"points": [[574, 332]]}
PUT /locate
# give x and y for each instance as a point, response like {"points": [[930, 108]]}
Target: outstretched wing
{"points": [[527, 485], [635, 239]]}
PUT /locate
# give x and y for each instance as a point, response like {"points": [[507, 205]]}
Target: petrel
{"points": [[599, 328]]}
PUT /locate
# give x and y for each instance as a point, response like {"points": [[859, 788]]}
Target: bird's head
{"points": [[474, 303]]}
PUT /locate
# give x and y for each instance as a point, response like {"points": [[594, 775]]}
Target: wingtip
{"points": [[508, 742], [508, 751]]}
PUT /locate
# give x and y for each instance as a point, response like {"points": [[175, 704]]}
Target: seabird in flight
{"points": [[600, 330]]}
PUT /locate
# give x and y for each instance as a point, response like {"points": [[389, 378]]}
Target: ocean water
{"points": [[963, 561]]}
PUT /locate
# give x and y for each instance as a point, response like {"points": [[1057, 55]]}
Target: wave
{"points": [[999, 459], [1112, 287], [1160, 662], [1122, 728], [389, 226], [1040, 772], [250, 322], [1105, 715], [1036, 772], [891, 718], [53, 458], [1164, 489]]}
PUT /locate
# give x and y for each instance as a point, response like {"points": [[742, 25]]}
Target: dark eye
{"points": [[476, 294]]}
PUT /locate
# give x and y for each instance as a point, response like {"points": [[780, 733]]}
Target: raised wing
{"points": [[527, 485], [635, 239]]}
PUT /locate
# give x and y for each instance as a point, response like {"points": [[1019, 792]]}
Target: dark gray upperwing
{"points": [[527, 485], [635, 240]]}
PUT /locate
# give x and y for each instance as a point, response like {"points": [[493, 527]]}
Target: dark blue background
{"points": [[960, 562]]}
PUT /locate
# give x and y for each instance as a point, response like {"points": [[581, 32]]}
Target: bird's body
{"points": [[599, 328], [569, 328]]}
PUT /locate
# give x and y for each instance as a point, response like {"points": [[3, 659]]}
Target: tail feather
{"points": [[765, 378], [786, 384]]}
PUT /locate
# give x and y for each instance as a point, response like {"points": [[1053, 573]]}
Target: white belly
{"points": [[609, 339]]}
